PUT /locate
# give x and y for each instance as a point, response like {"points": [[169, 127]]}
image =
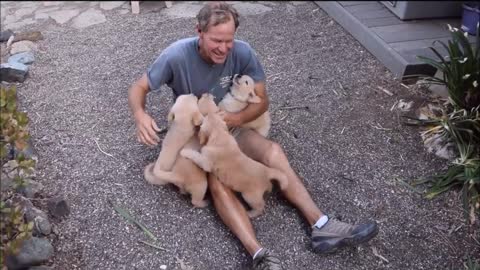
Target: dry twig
{"points": [[110, 155], [294, 107], [385, 90], [375, 252]]}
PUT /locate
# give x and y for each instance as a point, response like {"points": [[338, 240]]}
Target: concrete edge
{"points": [[379, 48]]}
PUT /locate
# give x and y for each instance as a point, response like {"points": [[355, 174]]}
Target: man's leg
{"points": [[271, 154], [327, 235], [234, 215]]}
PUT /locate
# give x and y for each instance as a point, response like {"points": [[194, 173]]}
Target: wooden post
{"points": [[135, 7]]}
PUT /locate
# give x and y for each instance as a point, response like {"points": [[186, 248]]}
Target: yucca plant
{"points": [[460, 122], [460, 69], [463, 128]]}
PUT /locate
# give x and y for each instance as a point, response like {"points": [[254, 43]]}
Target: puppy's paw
{"points": [[200, 204], [187, 153]]}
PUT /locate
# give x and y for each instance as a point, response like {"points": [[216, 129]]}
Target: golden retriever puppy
{"points": [[185, 174], [222, 156], [183, 118], [241, 94], [206, 104]]}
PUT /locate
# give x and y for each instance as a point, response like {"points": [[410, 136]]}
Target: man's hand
{"points": [[231, 119], [146, 129]]}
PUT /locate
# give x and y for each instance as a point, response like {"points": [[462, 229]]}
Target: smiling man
{"points": [[207, 63]]}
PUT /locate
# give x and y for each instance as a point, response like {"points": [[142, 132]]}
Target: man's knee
{"points": [[216, 187], [273, 153]]}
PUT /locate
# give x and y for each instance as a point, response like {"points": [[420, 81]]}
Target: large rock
{"points": [[5, 35], [31, 189], [34, 251], [58, 207], [88, 18], [25, 58], [22, 46], [42, 225], [16, 72]]}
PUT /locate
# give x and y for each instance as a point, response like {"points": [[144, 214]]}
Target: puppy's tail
{"points": [[158, 177], [280, 177]]}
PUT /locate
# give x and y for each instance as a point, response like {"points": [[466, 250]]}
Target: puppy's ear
{"points": [[197, 118], [254, 99], [171, 117]]}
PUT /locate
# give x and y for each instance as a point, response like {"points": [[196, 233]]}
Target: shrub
{"points": [[13, 138], [460, 122]]}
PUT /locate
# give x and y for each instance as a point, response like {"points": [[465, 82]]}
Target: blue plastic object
{"points": [[470, 19]]}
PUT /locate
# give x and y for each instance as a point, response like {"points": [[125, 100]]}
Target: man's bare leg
{"points": [[327, 235], [233, 214], [271, 154]]}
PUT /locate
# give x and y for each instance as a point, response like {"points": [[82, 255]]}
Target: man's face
{"points": [[216, 43]]}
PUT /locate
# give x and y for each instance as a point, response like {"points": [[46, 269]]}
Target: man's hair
{"points": [[215, 13]]}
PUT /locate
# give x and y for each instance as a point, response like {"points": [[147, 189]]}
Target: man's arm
{"points": [[146, 126], [252, 111]]}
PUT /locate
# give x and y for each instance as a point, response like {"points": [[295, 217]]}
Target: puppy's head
{"points": [[243, 89], [211, 122], [206, 104], [185, 111]]}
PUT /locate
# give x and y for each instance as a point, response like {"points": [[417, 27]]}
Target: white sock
{"points": [[321, 221], [256, 253]]}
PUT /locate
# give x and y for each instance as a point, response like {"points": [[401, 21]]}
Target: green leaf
{"points": [[126, 214]]}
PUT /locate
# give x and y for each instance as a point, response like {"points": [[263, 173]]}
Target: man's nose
{"points": [[223, 48]]}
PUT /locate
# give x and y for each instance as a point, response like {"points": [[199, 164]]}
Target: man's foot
{"points": [[266, 261], [335, 234]]}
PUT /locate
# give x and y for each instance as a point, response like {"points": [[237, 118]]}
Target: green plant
{"points": [[14, 135], [461, 69], [471, 264], [463, 128], [459, 123]]}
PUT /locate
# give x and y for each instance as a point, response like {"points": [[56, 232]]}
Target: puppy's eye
{"points": [[246, 82]]}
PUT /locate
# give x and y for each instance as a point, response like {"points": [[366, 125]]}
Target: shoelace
{"points": [[338, 227], [267, 261]]}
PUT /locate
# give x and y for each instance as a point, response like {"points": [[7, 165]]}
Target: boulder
{"points": [[42, 225], [5, 35], [58, 207], [25, 58], [16, 72], [22, 46], [33, 251]]}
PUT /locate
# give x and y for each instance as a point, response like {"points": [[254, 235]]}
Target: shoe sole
{"points": [[338, 243]]}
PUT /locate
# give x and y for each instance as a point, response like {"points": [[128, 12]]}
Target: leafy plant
{"points": [[471, 264], [460, 68], [459, 123], [463, 128], [14, 135]]}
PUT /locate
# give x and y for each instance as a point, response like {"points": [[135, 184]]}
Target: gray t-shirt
{"points": [[184, 71]]}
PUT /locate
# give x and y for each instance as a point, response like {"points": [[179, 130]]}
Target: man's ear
{"points": [[171, 117], [197, 118], [197, 28]]}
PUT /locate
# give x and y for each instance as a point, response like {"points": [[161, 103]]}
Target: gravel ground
{"points": [[76, 97]]}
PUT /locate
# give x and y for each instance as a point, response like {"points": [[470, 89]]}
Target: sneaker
{"points": [[335, 234], [266, 261]]}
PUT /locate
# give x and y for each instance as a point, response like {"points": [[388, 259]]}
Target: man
{"points": [[206, 64]]}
